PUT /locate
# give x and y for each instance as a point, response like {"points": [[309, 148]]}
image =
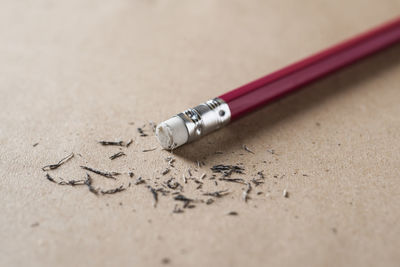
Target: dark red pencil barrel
{"points": [[273, 86]]}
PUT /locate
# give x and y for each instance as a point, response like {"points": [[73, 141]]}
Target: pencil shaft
{"points": [[273, 86]]}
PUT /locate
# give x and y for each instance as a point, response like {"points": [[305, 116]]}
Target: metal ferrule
{"points": [[205, 118]]}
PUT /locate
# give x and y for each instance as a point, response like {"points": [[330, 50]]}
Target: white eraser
{"points": [[172, 133]]}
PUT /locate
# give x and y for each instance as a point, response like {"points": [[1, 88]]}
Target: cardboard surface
{"points": [[75, 72]]}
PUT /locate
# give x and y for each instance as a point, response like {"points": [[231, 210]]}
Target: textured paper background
{"points": [[74, 72]]}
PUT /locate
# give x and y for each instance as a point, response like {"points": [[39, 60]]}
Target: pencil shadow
{"points": [[240, 132]]}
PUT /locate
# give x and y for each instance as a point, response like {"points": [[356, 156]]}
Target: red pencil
{"points": [[213, 114]]}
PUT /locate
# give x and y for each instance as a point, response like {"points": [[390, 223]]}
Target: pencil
{"points": [[207, 117]]}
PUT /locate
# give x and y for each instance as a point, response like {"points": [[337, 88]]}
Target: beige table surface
{"points": [[76, 72]]}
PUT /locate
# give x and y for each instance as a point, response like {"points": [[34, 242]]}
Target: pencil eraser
{"points": [[172, 133]]}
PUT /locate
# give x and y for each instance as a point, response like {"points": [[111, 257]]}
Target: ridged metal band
{"points": [[205, 118]]}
